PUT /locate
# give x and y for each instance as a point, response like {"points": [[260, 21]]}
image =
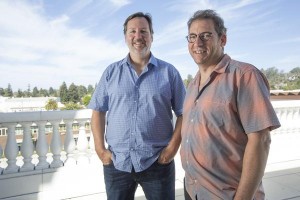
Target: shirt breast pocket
{"points": [[158, 91], [211, 114]]}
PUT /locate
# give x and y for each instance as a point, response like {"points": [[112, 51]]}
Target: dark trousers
{"points": [[186, 194], [157, 182]]}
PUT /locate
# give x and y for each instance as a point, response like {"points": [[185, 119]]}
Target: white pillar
{"points": [[42, 147], [69, 144], [1, 153], [27, 149], [11, 151], [93, 155], [289, 119], [295, 119], [92, 142], [82, 145], [55, 146], [278, 113]]}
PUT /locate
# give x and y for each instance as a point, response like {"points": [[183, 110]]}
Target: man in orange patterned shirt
{"points": [[227, 119]]}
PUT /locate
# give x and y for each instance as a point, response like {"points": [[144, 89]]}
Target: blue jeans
{"points": [[157, 182]]}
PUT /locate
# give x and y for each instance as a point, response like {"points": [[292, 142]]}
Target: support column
{"points": [[82, 144], [1, 153], [42, 147], [11, 151], [27, 149], [69, 145], [55, 146]]}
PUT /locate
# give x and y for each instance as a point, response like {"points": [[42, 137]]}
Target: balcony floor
{"points": [[281, 182]]}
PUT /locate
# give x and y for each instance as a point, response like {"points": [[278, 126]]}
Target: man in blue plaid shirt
{"points": [[132, 112]]}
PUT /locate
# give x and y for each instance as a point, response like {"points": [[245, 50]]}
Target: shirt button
{"points": [[187, 141], [192, 120]]}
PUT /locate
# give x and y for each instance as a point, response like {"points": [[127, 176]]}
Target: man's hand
{"points": [[105, 156], [167, 155]]}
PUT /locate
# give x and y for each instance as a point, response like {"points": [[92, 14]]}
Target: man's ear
{"points": [[223, 40]]}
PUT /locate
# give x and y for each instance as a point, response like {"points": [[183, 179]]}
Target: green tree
{"points": [[8, 92], [90, 89], [86, 99], [73, 93], [188, 80], [2, 92], [52, 92], [296, 70], [35, 92], [72, 106], [63, 93], [28, 92], [43, 92], [276, 79], [82, 91], [51, 105], [20, 93]]}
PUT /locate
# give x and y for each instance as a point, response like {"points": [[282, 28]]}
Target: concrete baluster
{"points": [[42, 147], [283, 120], [27, 149], [69, 145], [92, 142], [91, 139], [82, 145], [1, 153], [56, 146], [295, 123], [297, 117], [274, 132], [279, 115], [289, 119], [11, 151], [93, 155]]}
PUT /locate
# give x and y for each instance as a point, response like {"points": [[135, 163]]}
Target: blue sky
{"points": [[46, 42]]}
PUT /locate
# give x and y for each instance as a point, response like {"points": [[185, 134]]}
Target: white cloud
{"points": [[61, 21], [78, 6], [29, 39], [120, 3]]}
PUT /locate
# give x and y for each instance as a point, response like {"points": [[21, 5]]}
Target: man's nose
{"points": [[199, 41]]}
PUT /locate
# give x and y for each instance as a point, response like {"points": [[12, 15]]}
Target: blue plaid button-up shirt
{"points": [[139, 118]]}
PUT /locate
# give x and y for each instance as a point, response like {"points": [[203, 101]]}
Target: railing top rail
{"points": [[286, 104], [45, 116]]}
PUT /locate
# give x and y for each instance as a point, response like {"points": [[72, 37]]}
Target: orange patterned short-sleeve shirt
{"points": [[216, 120]]}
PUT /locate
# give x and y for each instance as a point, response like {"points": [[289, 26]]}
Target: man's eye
{"points": [[144, 32], [206, 35]]}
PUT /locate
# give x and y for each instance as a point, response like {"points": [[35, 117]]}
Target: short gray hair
{"points": [[209, 14]]}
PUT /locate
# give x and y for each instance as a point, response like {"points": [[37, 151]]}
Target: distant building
{"points": [[26, 104]]}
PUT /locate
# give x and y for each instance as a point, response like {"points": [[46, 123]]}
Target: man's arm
{"points": [[98, 129], [254, 163], [170, 151]]}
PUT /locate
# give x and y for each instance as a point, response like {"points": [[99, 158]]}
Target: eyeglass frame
{"points": [[200, 35]]}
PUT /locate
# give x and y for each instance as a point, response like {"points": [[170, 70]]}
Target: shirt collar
{"points": [[223, 64], [152, 60], [220, 67]]}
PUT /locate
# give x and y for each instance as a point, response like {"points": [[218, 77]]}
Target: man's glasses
{"points": [[205, 36]]}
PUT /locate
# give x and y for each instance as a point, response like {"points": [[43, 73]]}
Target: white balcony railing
{"points": [[42, 157]]}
